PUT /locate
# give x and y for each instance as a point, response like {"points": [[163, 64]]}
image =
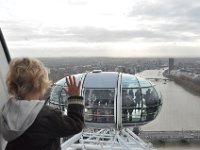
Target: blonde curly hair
{"points": [[26, 75]]}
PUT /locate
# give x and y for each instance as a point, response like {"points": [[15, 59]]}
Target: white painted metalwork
{"points": [[106, 139], [3, 88], [119, 102]]}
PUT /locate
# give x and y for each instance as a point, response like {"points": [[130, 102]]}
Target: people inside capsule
{"points": [[101, 97], [138, 98], [132, 96], [127, 106], [151, 100], [148, 97], [131, 93], [99, 105], [26, 122]]}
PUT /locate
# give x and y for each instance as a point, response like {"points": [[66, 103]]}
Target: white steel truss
{"points": [[106, 139]]}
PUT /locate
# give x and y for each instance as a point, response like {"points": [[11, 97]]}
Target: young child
{"points": [[28, 124]]}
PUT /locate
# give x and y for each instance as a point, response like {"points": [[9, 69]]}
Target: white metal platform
{"points": [[106, 139]]}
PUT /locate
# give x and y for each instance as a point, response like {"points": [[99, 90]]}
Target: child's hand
{"points": [[72, 89]]}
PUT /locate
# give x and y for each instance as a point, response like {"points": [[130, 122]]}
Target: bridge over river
{"points": [[180, 112]]}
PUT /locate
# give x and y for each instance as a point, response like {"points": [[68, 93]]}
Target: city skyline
{"points": [[85, 28]]}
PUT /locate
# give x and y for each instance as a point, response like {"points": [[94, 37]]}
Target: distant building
{"points": [[171, 64], [120, 69]]}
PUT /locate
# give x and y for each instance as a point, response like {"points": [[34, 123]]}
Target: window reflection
{"points": [[58, 98], [131, 99], [151, 102], [139, 105], [99, 105]]}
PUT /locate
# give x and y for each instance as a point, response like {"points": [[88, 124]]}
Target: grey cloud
{"points": [[60, 51], [172, 11], [76, 2], [92, 34], [180, 27], [20, 31], [176, 51], [179, 16], [168, 8]]}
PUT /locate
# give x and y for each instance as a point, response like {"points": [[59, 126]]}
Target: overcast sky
{"points": [[113, 28]]}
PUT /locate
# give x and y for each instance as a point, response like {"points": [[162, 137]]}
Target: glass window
{"points": [[58, 97], [62, 81], [99, 105], [143, 82], [129, 81], [151, 102], [139, 105]]}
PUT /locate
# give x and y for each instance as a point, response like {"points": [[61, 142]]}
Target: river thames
{"points": [[180, 110]]}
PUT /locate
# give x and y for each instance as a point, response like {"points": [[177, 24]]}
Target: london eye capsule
{"points": [[112, 99]]}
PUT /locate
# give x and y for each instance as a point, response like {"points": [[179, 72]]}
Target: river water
{"points": [[180, 110]]}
